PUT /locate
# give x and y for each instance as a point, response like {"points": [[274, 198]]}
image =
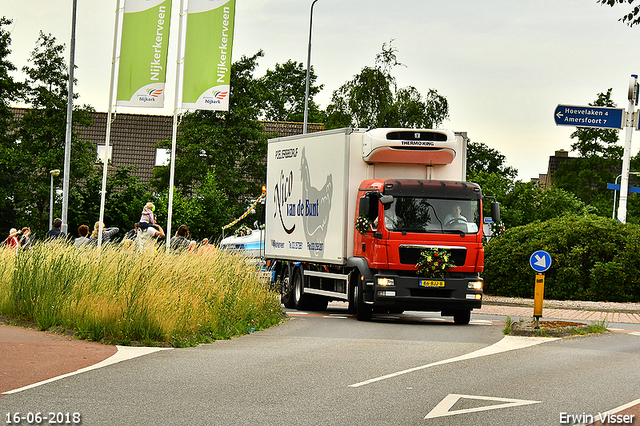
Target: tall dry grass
{"points": [[121, 295]]}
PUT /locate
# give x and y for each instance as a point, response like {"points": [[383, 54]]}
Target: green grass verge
{"points": [[116, 295]]}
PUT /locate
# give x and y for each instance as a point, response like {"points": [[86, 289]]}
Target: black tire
{"points": [[299, 298], [287, 289], [462, 317], [364, 312], [351, 308]]}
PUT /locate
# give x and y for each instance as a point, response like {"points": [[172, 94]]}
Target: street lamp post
{"points": [[306, 84], [615, 192], [53, 173]]}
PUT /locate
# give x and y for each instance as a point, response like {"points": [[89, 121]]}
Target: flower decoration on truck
{"points": [[433, 263], [243, 231], [363, 224]]}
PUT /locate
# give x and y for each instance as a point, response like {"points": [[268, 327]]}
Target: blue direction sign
{"points": [[540, 261], [588, 116]]}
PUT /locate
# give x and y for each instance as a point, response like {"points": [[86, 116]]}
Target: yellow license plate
{"points": [[431, 283]]}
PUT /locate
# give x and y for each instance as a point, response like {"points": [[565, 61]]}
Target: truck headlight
{"points": [[385, 281], [475, 285]]}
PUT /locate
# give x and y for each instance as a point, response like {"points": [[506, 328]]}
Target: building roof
{"points": [[134, 137]]}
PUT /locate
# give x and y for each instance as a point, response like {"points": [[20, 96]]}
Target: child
{"points": [[147, 218]]}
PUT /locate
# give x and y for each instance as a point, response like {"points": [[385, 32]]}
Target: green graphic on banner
{"points": [[207, 57], [143, 55]]}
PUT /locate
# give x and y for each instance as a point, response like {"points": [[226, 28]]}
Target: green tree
{"points": [[632, 17], [229, 145], [372, 99], [284, 93], [125, 197], [42, 133], [10, 91], [481, 158]]}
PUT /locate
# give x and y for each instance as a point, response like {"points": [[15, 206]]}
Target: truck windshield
{"points": [[433, 215]]}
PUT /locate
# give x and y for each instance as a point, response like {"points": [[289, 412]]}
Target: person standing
{"points": [[25, 238], [82, 240], [147, 238], [55, 232], [107, 233], [180, 242], [12, 241]]}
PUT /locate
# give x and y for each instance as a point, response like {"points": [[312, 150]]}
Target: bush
{"points": [[120, 296], [594, 258]]}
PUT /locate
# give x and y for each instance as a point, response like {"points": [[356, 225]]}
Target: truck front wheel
{"points": [[462, 317], [364, 312]]}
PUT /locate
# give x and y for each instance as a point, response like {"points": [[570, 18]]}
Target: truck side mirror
{"points": [[365, 205], [386, 201], [495, 211]]}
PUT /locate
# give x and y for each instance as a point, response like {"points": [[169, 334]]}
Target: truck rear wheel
{"points": [[299, 298], [287, 289], [462, 317]]}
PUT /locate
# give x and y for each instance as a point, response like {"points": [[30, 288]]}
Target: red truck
{"points": [[350, 213]]}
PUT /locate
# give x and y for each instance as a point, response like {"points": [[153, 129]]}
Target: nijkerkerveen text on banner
{"points": [[143, 53], [207, 55]]}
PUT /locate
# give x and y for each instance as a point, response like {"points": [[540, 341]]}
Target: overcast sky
{"points": [[503, 65]]}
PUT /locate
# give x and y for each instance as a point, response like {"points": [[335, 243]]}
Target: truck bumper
{"points": [[454, 292]]}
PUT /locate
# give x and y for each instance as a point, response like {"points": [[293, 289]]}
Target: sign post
{"points": [[607, 118], [626, 158], [540, 262]]}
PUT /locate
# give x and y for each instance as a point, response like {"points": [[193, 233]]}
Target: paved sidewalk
{"points": [[625, 313]]}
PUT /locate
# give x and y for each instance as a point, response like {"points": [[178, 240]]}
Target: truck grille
{"points": [[411, 255]]}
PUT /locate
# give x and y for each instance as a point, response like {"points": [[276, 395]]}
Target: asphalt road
{"points": [[329, 369]]}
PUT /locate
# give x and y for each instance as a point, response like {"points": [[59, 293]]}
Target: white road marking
{"points": [[508, 343], [481, 322], [616, 410], [636, 333], [124, 353], [442, 409]]}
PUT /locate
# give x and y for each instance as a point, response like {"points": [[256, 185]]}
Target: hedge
{"points": [[593, 258]]}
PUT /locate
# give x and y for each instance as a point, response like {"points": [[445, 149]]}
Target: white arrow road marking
{"points": [[508, 343], [442, 409], [124, 353], [541, 261]]}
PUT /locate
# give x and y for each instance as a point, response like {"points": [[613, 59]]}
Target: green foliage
{"points": [[632, 17], [283, 89], [599, 162], [124, 199], [230, 146], [10, 90], [481, 158], [594, 258], [42, 133], [371, 99]]}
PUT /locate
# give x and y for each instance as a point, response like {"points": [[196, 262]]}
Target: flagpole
{"points": [[112, 84], [176, 114], [69, 130]]}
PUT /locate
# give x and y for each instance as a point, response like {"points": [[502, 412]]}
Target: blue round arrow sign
{"points": [[540, 261]]}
